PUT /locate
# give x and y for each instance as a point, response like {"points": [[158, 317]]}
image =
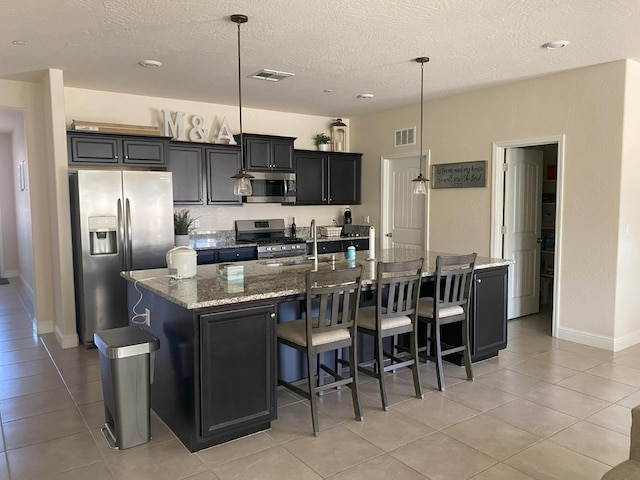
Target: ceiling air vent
{"points": [[406, 136], [271, 75]]}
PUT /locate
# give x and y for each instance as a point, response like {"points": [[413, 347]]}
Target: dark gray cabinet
{"points": [[91, 148], [186, 163], [328, 178], [224, 255], [267, 153], [237, 370], [202, 173], [335, 246], [488, 326]]}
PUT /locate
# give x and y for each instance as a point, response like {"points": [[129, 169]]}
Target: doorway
{"points": [[404, 216], [538, 271]]}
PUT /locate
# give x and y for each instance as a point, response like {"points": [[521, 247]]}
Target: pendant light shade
{"points": [[242, 186], [420, 182]]}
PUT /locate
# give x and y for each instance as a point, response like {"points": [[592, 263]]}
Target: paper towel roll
{"points": [[372, 242]]}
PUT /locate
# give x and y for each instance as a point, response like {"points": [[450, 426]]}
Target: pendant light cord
{"points": [[421, 110], [240, 102]]}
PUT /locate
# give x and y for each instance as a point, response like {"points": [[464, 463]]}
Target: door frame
{"points": [[384, 187], [497, 207]]}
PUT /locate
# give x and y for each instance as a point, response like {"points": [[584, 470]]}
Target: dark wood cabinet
{"points": [[267, 153], [222, 162], [335, 246], [202, 173], [488, 326], [92, 148], [187, 167], [328, 178], [237, 370], [224, 255]]}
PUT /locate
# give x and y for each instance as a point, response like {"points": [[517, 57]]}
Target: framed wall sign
{"points": [[459, 175]]}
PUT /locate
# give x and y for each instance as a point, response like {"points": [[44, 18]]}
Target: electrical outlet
{"points": [[333, 220], [196, 223], [147, 317], [366, 219]]}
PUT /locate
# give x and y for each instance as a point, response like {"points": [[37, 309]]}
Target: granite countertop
{"points": [[271, 278], [210, 243]]}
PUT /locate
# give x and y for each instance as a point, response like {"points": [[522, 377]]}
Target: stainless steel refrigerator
{"points": [[121, 220]]}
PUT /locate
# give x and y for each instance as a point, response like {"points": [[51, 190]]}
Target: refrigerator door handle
{"points": [[128, 238], [122, 238]]}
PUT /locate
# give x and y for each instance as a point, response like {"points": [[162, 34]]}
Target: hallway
{"points": [[545, 408]]}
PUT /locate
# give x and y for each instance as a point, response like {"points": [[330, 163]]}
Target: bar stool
{"points": [[395, 313], [452, 289], [335, 296]]}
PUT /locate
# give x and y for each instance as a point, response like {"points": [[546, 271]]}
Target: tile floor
{"points": [[543, 409]]}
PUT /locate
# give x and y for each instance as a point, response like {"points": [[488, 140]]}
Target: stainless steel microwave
{"points": [[272, 187]]}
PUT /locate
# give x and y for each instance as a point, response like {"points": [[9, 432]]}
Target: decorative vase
{"points": [[182, 240], [323, 147]]}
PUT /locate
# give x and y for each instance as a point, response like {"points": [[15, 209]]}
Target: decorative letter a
{"points": [[225, 133]]}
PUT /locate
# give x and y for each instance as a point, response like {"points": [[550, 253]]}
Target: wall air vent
{"points": [[406, 136], [271, 75]]}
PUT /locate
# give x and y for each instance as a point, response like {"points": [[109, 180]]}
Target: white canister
{"points": [[182, 262]]}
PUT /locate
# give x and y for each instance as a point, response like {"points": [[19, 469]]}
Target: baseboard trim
{"points": [[66, 341], [599, 341], [43, 327], [586, 338]]}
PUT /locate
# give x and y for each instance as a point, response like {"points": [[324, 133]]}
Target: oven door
{"points": [[271, 187]]}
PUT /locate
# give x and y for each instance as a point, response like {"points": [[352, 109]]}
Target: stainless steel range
{"points": [[270, 237]]}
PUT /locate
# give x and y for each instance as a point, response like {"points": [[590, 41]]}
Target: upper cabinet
{"points": [[90, 148], [267, 153], [327, 178], [202, 173]]}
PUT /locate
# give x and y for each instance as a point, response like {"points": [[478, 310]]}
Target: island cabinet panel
{"points": [[91, 148], [237, 370], [328, 178], [186, 163], [488, 313]]}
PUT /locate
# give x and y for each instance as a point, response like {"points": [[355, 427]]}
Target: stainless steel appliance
{"points": [[269, 235], [272, 187], [121, 220]]}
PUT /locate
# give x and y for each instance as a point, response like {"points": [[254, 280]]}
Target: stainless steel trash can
{"points": [[126, 367]]}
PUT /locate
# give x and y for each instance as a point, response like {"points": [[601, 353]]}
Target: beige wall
{"points": [[586, 105], [9, 240], [92, 105], [627, 298]]}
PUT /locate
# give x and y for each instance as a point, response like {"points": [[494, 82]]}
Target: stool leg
{"points": [[380, 366], [413, 338], [438, 354], [353, 371], [313, 398], [467, 351]]}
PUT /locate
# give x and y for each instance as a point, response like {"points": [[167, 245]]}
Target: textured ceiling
{"points": [[348, 47]]}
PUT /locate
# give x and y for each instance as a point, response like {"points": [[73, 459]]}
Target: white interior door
{"points": [[403, 212], [522, 215]]}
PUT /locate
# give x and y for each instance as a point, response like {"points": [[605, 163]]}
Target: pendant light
{"points": [[420, 182], [242, 186]]}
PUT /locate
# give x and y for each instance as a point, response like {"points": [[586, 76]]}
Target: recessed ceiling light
{"points": [[150, 63], [555, 44], [365, 96], [20, 43]]}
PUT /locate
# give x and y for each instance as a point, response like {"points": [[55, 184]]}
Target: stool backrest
{"points": [[398, 288], [453, 280], [338, 295]]}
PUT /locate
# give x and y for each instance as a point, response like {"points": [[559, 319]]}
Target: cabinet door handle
{"points": [[539, 240], [479, 280], [272, 315], [388, 234]]}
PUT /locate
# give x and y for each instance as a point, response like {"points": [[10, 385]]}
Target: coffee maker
{"points": [[347, 226]]}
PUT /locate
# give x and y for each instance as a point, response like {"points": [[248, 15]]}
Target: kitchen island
{"points": [[216, 370]]}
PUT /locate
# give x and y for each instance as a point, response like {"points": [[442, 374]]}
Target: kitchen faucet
{"points": [[314, 238]]}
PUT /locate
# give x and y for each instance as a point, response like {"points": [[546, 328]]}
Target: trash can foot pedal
{"points": [[109, 437]]}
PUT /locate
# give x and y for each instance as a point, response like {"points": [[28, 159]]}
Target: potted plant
{"points": [[322, 141], [182, 226]]}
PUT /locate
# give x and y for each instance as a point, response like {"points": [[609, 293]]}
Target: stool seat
{"points": [[367, 319], [296, 332], [425, 307]]}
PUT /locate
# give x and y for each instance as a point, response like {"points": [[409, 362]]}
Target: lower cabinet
{"points": [[336, 246], [223, 255], [488, 326], [237, 370]]}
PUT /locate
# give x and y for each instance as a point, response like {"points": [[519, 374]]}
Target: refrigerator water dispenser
{"points": [[102, 235]]}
